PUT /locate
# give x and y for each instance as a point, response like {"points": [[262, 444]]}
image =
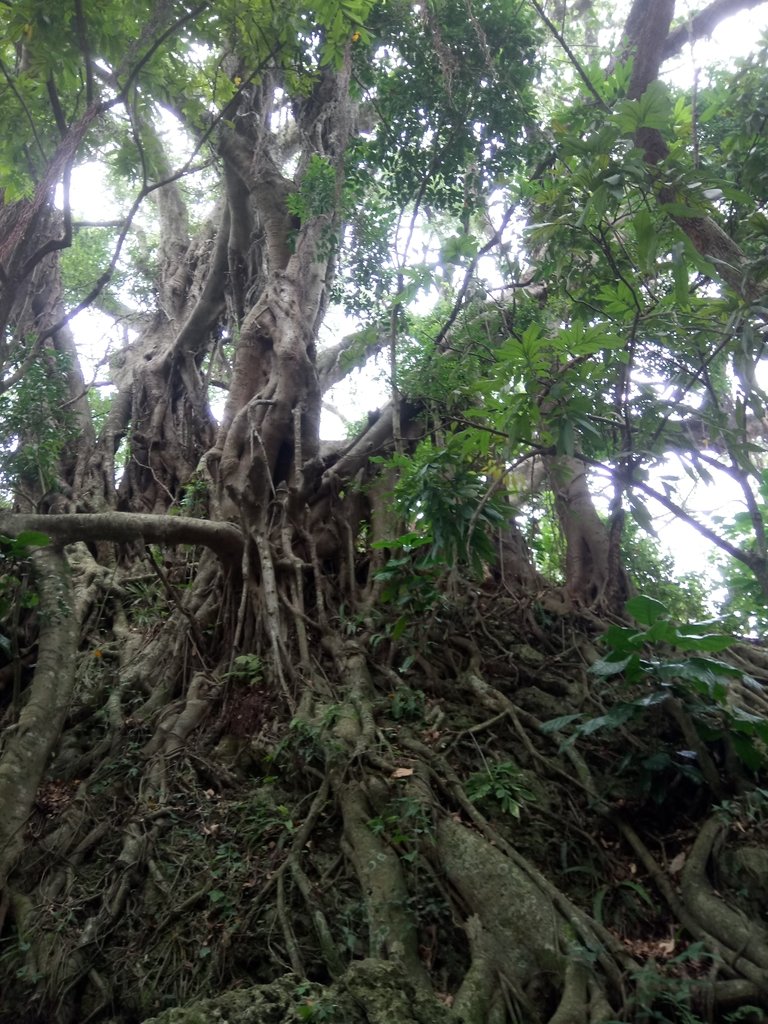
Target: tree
{"points": [[297, 730]]}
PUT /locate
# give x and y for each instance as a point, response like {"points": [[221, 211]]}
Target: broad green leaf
{"points": [[645, 233], [712, 642], [645, 609], [747, 752], [33, 539]]}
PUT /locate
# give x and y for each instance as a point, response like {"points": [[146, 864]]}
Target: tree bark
{"points": [[30, 743]]}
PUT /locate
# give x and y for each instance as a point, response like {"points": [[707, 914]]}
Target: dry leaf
{"points": [[676, 864]]}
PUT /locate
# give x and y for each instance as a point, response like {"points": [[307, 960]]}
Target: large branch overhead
{"points": [[704, 24], [647, 33], [224, 539], [335, 363]]}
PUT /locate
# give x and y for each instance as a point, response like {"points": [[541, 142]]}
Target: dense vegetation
{"points": [[419, 725]]}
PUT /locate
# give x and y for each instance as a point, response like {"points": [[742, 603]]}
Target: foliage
{"points": [[404, 823], [665, 661], [35, 426], [248, 668], [733, 111], [408, 705], [316, 192], [84, 262], [146, 601], [449, 100], [100, 405], [500, 784], [14, 593], [450, 510], [450, 106]]}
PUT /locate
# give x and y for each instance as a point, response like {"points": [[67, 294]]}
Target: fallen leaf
{"points": [[676, 864]]}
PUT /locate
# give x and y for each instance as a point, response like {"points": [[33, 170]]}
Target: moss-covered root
{"points": [[518, 940], [371, 992], [391, 929], [30, 744]]}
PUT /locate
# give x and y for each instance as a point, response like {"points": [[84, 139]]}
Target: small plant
{"points": [[316, 1007], [403, 825], [317, 193], [248, 668], [317, 1010], [624, 900], [146, 601], [194, 501], [501, 784], [750, 808], [407, 704], [14, 593], [305, 743], [448, 506]]}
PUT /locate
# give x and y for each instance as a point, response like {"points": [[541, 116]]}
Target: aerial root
{"points": [[747, 938], [737, 942]]}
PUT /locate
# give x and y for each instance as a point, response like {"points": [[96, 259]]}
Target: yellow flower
{"points": [[355, 37]]}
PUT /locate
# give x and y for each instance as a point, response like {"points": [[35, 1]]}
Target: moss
{"points": [[371, 992], [261, 1004], [385, 996]]}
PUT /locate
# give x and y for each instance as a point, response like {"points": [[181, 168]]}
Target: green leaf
{"points": [[640, 512], [621, 639], [565, 438], [646, 236], [652, 110], [641, 891], [655, 107], [618, 715], [599, 201], [718, 668], [458, 248], [746, 751], [645, 609], [712, 642], [559, 723], [33, 539], [604, 668], [661, 632]]}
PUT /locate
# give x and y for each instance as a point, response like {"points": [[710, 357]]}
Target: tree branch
{"points": [[748, 558], [224, 539], [154, 47], [647, 32], [85, 50], [569, 54], [332, 367], [703, 24]]}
